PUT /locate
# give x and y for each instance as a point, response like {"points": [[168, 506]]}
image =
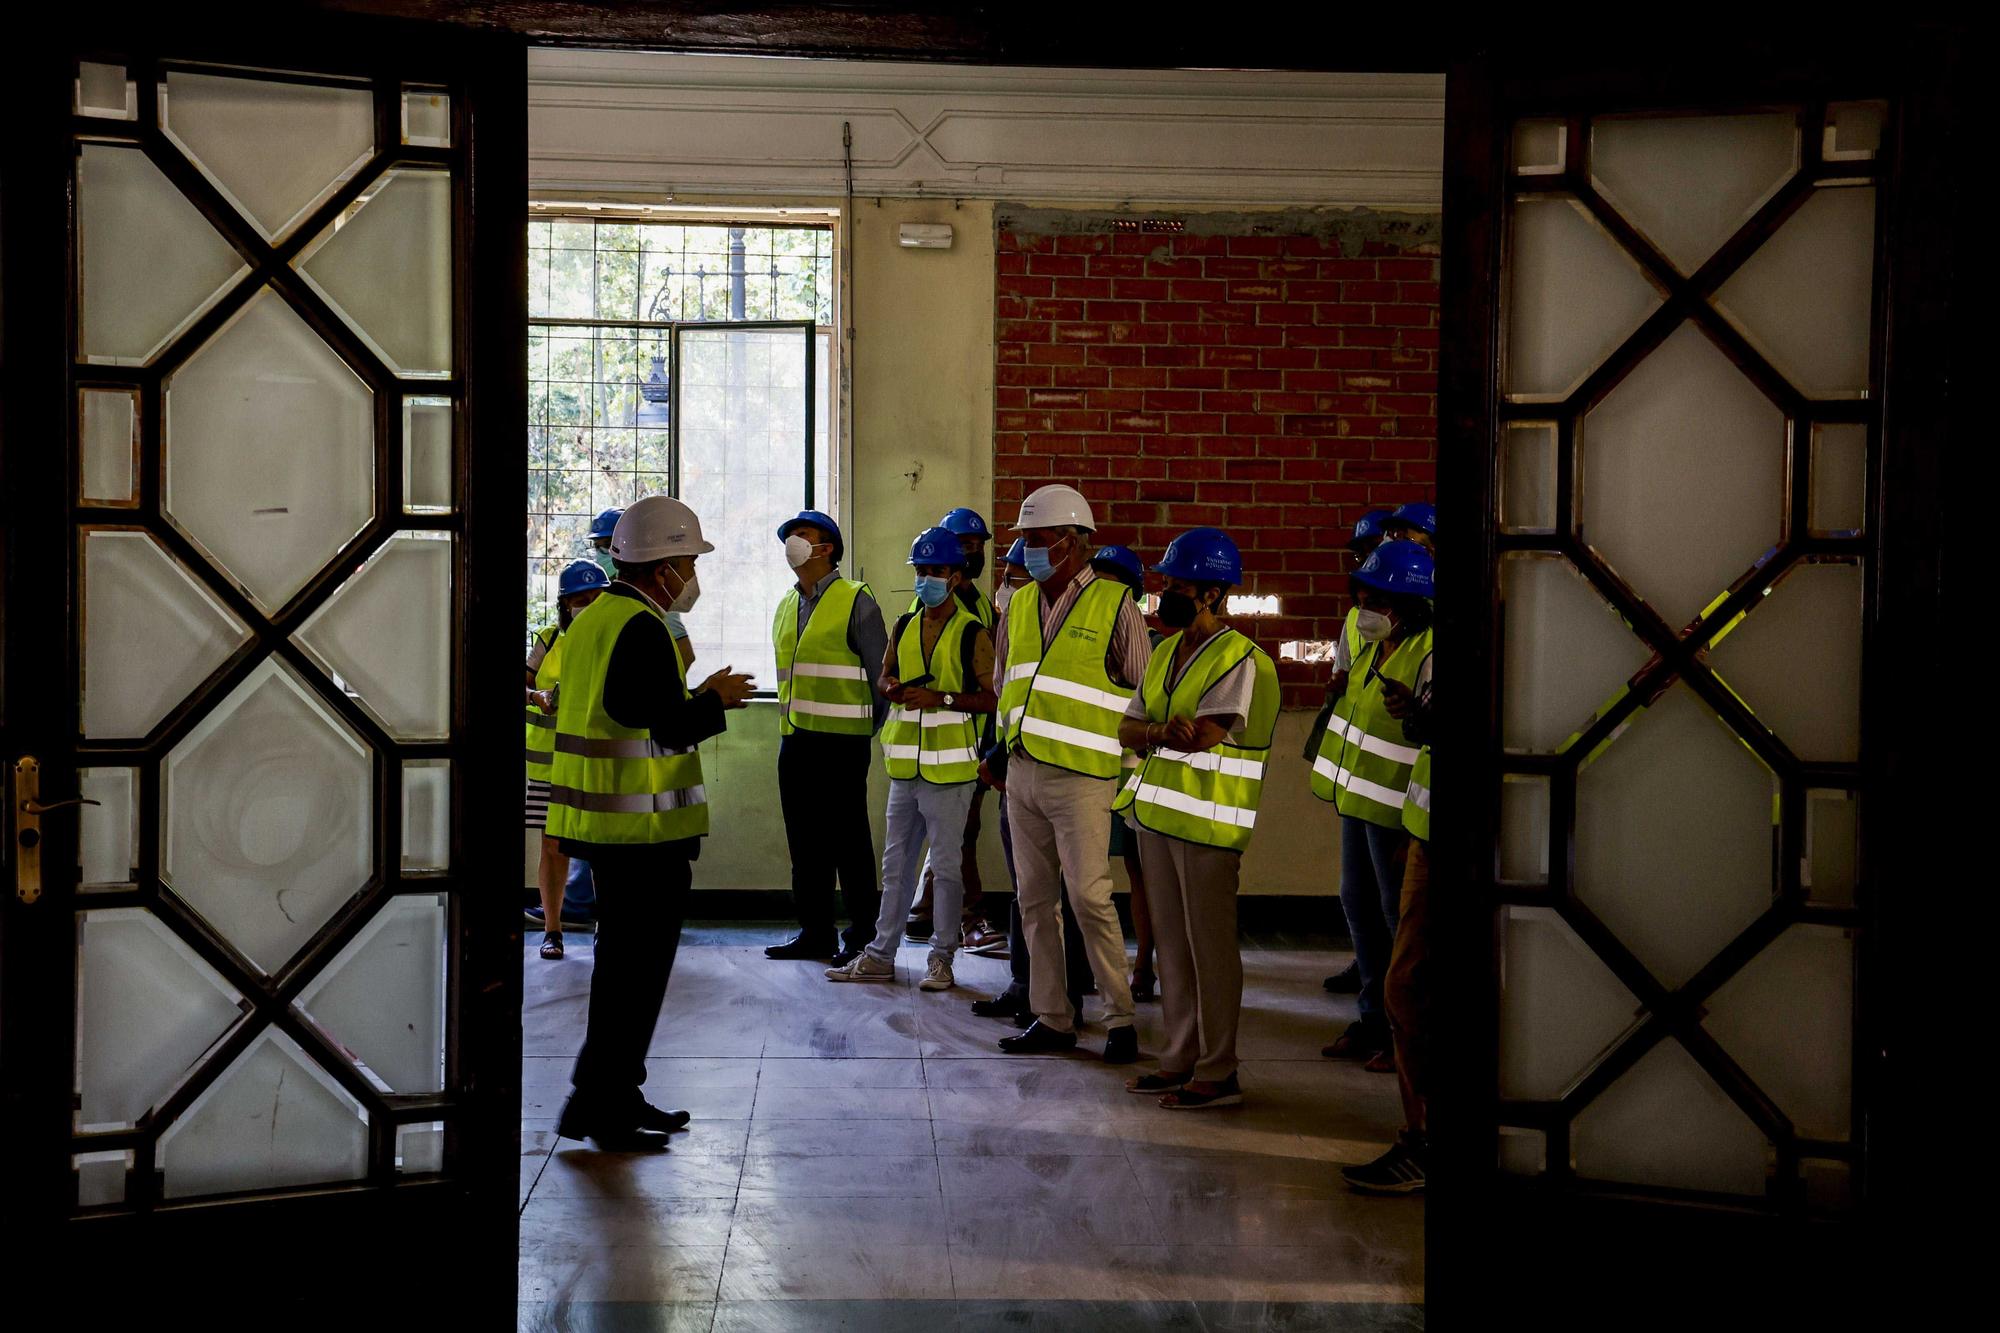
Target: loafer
{"points": [[1037, 1040], [802, 946], [1121, 1045]]}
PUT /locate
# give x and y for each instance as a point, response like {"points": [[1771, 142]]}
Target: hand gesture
{"points": [[546, 700], [1180, 733], [1396, 697], [733, 688], [920, 696], [892, 689]]}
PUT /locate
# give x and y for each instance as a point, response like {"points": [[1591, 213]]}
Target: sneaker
{"points": [[937, 976], [862, 968], [1397, 1171], [985, 941]]}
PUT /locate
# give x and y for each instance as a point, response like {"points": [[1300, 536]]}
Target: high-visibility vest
{"points": [[940, 744], [541, 728], [613, 783], [1204, 796], [1364, 762], [980, 610], [822, 685], [1058, 702], [1350, 629], [1417, 798]]}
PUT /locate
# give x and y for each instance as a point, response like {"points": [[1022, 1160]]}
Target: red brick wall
{"points": [[1268, 385]]}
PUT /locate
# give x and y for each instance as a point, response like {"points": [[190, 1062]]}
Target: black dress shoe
{"points": [[1347, 981], [801, 946], [662, 1122], [1003, 1006], [919, 928], [619, 1134], [848, 953], [1121, 1046], [1038, 1038]]}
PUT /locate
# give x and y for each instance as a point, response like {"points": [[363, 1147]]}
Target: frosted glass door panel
{"points": [[1524, 829], [427, 455], [1528, 477], [107, 853], [267, 827], [1806, 296], [1811, 615], [385, 635], [1839, 479], [1665, 1122], [1566, 653], [150, 263], [151, 633], [109, 474], [1560, 1007], [1688, 183], [1788, 1019], [382, 999], [272, 1119], [386, 267], [1683, 476], [275, 150], [426, 814], [270, 451], [147, 1009], [1833, 847], [1574, 296], [1673, 836]]}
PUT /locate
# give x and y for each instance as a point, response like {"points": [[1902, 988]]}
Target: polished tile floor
{"points": [[863, 1157]]}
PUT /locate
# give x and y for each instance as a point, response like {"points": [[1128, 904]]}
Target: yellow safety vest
{"points": [[541, 728], [1417, 799], [1205, 796], [1058, 701], [939, 745], [1364, 762], [613, 783], [822, 685]]}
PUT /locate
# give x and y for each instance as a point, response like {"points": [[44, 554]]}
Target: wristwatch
{"points": [[951, 701]]}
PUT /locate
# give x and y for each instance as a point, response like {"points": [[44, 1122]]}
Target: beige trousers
{"points": [[1061, 826], [1191, 890]]}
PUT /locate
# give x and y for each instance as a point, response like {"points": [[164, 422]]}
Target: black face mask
{"points": [[1177, 610], [975, 564]]}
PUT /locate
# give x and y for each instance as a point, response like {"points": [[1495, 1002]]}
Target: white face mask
{"points": [[690, 594], [797, 551], [1004, 596], [1373, 625]]}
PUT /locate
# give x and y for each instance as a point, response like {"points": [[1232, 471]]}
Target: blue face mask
{"points": [[1039, 564], [932, 589]]}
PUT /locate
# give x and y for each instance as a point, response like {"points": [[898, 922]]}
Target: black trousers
{"points": [[823, 790], [1076, 963], [642, 896]]}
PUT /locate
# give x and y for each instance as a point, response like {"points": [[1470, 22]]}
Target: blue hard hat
{"points": [[580, 576], [824, 522], [937, 546], [1016, 554], [604, 524], [1202, 555], [1417, 514], [1402, 567], [1370, 526], [965, 523], [1121, 563]]}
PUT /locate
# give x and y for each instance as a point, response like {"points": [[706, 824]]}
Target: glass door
{"points": [[253, 747]]}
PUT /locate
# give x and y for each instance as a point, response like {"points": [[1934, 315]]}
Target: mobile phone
{"points": [[924, 679]]}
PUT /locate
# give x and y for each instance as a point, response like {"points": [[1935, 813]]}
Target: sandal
{"points": [[1227, 1093], [552, 948], [1161, 1081]]}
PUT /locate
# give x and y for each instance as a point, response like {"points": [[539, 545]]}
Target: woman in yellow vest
{"points": [[579, 585], [1363, 769], [1202, 722], [938, 672]]}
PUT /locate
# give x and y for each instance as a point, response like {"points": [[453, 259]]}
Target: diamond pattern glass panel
{"points": [[382, 999], [427, 117], [1566, 654], [1673, 836], [1839, 479], [1560, 1007], [150, 263], [1688, 183], [426, 814], [103, 91], [270, 453], [385, 266], [427, 455], [101, 1177], [1811, 615], [1574, 295], [1682, 476], [272, 1119], [267, 816], [1665, 1122], [147, 1008], [1805, 297], [109, 474], [150, 633], [275, 150], [1528, 477], [1788, 1019], [107, 850], [385, 635], [420, 1148]]}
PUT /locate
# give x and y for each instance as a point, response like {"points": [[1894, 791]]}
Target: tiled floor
{"points": [[863, 1157]]}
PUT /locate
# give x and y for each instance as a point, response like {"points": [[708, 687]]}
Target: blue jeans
{"points": [[1371, 887], [579, 890]]}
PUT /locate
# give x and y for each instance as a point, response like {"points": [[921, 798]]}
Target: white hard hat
{"points": [[1056, 507], [655, 528]]}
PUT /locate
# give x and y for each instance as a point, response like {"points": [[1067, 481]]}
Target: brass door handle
{"points": [[28, 826], [37, 809]]}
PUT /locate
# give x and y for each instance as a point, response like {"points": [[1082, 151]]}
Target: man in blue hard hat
{"points": [[829, 639], [1414, 522]]}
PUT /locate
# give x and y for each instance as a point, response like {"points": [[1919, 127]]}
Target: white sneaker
{"points": [[863, 968], [938, 977]]}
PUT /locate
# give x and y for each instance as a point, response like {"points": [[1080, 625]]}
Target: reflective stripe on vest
{"points": [[822, 685], [1364, 763], [1205, 796], [616, 784], [1417, 800], [937, 744], [541, 728], [1059, 700]]}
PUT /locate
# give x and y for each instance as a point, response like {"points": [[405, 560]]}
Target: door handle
{"points": [[28, 826]]}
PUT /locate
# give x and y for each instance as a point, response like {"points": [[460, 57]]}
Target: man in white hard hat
{"points": [[626, 793], [1074, 648]]}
